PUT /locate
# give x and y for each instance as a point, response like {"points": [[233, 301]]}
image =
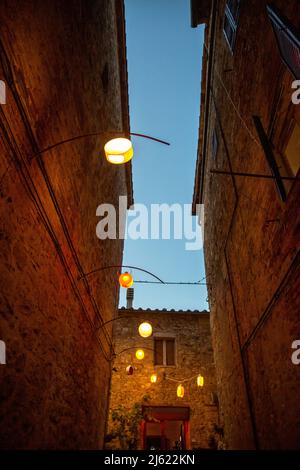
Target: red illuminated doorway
{"points": [[166, 428]]}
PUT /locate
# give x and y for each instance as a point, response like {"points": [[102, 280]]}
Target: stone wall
{"points": [[252, 237], [193, 356], [63, 69]]}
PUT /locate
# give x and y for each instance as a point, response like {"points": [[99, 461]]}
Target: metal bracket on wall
{"points": [[254, 175], [264, 140]]}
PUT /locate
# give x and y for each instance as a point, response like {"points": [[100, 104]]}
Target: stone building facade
{"points": [[194, 417], [64, 68], [250, 126]]}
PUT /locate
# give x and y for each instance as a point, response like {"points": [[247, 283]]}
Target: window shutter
{"points": [[288, 40], [229, 32], [158, 352], [230, 21], [170, 352], [233, 6]]}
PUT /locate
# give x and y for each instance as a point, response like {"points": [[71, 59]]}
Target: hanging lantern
{"points": [[180, 391], [118, 151], [125, 280], [145, 329], [200, 380], [153, 378], [140, 354], [129, 370]]}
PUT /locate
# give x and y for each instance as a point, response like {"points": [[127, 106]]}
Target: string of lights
{"points": [[180, 388], [140, 354], [183, 380]]}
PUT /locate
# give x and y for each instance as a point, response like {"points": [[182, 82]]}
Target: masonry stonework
{"points": [[64, 65], [251, 234], [191, 331]]}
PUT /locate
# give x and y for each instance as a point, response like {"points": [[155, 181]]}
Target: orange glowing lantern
{"points": [[180, 391], [125, 280]]}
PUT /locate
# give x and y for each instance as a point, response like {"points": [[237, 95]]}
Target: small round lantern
{"points": [[125, 280], [118, 151], [140, 354], [145, 329]]}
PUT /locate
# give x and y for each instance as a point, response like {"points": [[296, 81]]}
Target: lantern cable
{"points": [[94, 134], [158, 281], [182, 381], [119, 266], [115, 319], [127, 349]]}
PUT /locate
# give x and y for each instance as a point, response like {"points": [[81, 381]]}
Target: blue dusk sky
{"points": [[164, 57]]}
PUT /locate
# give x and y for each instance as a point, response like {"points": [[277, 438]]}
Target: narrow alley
{"points": [[149, 227]]}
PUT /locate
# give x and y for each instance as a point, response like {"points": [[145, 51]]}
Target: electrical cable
{"points": [[171, 282]]}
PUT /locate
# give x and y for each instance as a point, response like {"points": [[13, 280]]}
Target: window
{"points": [[288, 40], [231, 21], [164, 351], [284, 133], [166, 427]]}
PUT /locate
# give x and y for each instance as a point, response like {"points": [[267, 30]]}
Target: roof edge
{"points": [[164, 311], [122, 52]]}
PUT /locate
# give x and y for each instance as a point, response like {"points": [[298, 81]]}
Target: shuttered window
{"points": [[231, 21], [158, 351], [288, 40], [164, 351]]}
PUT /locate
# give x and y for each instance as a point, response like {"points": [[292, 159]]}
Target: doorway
{"points": [[166, 428]]}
